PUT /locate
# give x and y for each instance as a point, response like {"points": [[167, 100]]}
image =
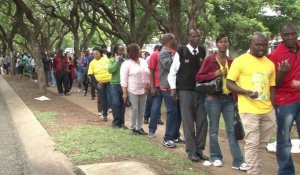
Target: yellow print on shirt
{"points": [[259, 84]]}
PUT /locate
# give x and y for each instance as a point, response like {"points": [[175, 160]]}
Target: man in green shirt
{"points": [[117, 102]]}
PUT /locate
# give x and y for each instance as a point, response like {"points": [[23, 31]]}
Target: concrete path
{"points": [[116, 168], [41, 157], [12, 156]]}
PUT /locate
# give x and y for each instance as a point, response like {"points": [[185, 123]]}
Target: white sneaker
{"points": [[217, 163], [207, 163], [99, 114], [242, 167]]}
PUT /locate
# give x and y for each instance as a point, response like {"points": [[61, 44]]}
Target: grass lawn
{"points": [[89, 144]]}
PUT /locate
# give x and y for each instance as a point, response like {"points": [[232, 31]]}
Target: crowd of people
{"points": [[4, 65], [265, 88]]}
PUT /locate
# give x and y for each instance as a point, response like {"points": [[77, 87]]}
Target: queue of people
{"points": [[264, 88]]}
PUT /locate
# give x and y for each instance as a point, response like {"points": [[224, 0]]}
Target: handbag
{"points": [[210, 87], [127, 103], [238, 126]]}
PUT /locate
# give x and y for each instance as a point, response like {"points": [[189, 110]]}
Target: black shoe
{"points": [[115, 126], [194, 157], [93, 98], [141, 132], [202, 156], [133, 131], [84, 93], [160, 122], [146, 121], [123, 127], [105, 118]]}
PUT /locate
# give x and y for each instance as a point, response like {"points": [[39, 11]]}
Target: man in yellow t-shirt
{"points": [[98, 71], [252, 76]]}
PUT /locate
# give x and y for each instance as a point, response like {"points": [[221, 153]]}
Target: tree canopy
{"points": [[46, 25], [85, 23]]}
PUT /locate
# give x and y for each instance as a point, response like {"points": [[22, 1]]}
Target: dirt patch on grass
{"points": [[68, 114]]}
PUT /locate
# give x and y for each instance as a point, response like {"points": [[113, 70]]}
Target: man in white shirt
{"points": [[187, 61]]}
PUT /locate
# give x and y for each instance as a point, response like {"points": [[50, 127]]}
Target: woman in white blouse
{"points": [[135, 79]]}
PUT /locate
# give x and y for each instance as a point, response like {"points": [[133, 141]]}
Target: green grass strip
{"points": [[90, 144], [46, 117]]}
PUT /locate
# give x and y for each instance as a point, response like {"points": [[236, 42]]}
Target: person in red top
{"points": [[61, 73], [71, 65], [156, 96], [213, 66], [286, 58], [154, 75]]}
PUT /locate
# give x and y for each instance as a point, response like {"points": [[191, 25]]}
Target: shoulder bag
{"points": [[210, 87], [238, 126]]}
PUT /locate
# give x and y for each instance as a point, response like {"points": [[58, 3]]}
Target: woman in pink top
{"points": [[135, 79]]}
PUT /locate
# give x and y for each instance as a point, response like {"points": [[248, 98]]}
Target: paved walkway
{"points": [[41, 157], [12, 156], [270, 164]]}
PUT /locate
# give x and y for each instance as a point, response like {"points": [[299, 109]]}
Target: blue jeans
{"points": [[117, 104], [149, 106], [285, 116], [215, 105], [79, 78], [173, 120], [104, 94], [52, 77], [155, 111]]}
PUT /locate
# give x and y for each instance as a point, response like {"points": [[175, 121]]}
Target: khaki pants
{"points": [[258, 129]]}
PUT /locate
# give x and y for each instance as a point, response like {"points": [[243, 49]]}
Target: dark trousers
{"points": [[62, 81], [93, 90], [86, 83], [104, 95], [194, 120], [148, 107], [173, 119], [155, 110], [70, 81], [46, 77], [286, 115], [33, 74], [117, 104]]}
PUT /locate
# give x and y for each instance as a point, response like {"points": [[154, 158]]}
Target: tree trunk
{"points": [[132, 21], [76, 43], [4, 49], [58, 44], [11, 59], [174, 19], [39, 67], [87, 37]]}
